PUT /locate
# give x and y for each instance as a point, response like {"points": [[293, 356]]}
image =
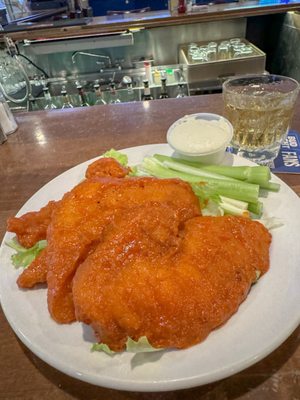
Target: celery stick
{"points": [[273, 186], [224, 170], [232, 210], [243, 205], [234, 207], [229, 188], [189, 167], [155, 168], [220, 205], [257, 174], [173, 164], [256, 207], [212, 209], [239, 191]]}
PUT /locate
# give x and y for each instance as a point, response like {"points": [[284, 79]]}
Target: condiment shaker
{"points": [[8, 124]]}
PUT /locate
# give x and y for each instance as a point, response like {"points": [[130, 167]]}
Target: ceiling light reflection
{"points": [[40, 137], [146, 105]]}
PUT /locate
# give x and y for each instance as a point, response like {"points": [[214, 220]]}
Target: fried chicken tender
{"points": [[35, 273], [32, 226], [153, 276], [80, 220], [106, 167]]}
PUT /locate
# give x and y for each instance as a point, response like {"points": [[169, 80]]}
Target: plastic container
{"points": [[201, 137]]}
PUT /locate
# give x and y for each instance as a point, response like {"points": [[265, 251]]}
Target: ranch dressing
{"points": [[197, 135]]}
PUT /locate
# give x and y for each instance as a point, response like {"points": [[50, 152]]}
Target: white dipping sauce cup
{"points": [[201, 137]]}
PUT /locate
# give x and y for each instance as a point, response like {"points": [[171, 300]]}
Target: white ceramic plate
{"points": [[267, 317]]}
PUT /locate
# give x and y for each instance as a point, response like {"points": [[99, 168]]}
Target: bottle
{"points": [[181, 92], [189, 5], [130, 96], [114, 98], [172, 6], [66, 100], [82, 97], [99, 99], [147, 93], [32, 104], [49, 102], [148, 71], [169, 72], [156, 77], [181, 7], [164, 92]]}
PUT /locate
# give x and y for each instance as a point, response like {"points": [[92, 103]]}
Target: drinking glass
{"points": [[199, 57], [223, 51], [234, 41], [212, 45], [260, 108], [211, 54], [192, 50]]}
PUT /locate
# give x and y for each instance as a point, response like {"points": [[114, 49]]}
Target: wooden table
{"points": [[48, 143]]}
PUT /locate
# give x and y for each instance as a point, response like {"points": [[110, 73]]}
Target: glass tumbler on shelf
{"points": [[200, 57], [211, 54], [260, 109], [237, 49], [234, 41], [223, 51], [192, 50], [247, 51], [212, 45]]}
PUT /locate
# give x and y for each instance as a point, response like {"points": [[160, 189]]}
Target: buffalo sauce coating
{"points": [[83, 215], [106, 167], [32, 226], [174, 283]]}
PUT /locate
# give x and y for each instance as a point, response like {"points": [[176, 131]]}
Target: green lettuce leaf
{"points": [[141, 346], [132, 346], [102, 347], [24, 257], [117, 155]]}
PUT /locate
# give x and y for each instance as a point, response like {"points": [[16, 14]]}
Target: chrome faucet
{"points": [[76, 53]]}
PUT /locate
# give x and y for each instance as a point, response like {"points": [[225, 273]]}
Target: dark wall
{"points": [[264, 32]]}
